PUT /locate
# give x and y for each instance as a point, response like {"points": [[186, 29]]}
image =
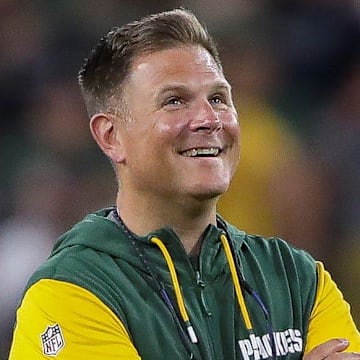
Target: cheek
{"points": [[169, 129], [232, 127]]}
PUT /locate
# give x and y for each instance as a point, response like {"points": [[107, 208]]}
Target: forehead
{"points": [[192, 65]]}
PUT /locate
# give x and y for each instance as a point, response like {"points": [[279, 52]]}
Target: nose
{"points": [[205, 119]]}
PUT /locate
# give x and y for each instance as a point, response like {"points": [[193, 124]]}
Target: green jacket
{"points": [[97, 255]]}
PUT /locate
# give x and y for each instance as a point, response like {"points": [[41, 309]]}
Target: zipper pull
{"points": [[202, 285], [199, 281]]}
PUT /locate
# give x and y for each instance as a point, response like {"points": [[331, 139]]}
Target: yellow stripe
{"points": [[90, 329], [174, 278], [235, 278], [331, 309]]}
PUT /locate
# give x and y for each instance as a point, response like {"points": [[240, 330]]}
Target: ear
{"points": [[104, 129]]}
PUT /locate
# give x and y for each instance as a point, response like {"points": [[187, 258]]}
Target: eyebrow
{"points": [[218, 85]]}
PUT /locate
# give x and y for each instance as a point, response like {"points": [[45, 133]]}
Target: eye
{"points": [[218, 99], [173, 101]]}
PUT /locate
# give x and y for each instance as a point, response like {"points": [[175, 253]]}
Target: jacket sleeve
{"points": [[330, 317], [62, 319]]}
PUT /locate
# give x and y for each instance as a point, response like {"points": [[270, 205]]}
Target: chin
{"points": [[210, 192]]}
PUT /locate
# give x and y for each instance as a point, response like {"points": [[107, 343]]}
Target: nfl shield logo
{"points": [[52, 340]]}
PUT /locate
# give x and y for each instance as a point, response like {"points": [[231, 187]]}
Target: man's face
{"points": [[182, 138]]}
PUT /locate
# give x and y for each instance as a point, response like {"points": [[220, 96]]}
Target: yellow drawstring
{"points": [[178, 294], [236, 282]]}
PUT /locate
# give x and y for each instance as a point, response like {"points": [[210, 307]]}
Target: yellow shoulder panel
{"points": [[60, 319], [330, 317]]}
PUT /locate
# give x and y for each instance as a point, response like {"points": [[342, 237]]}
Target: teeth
{"points": [[201, 151]]}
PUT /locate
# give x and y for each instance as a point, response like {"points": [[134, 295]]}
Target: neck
{"points": [[187, 218]]}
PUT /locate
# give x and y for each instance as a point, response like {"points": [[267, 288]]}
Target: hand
{"points": [[332, 350]]}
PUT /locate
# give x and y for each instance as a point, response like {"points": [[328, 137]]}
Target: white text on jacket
{"points": [[259, 347]]}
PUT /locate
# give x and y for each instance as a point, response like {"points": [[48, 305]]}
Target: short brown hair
{"points": [[108, 65]]}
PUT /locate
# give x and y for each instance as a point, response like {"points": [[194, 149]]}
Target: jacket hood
{"points": [[100, 233]]}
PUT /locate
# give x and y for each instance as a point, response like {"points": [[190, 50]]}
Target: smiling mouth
{"points": [[201, 152]]}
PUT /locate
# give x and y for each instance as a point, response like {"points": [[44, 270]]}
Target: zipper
{"points": [[201, 284], [208, 319]]}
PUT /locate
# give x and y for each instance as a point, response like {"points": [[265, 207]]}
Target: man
{"points": [[161, 275]]}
